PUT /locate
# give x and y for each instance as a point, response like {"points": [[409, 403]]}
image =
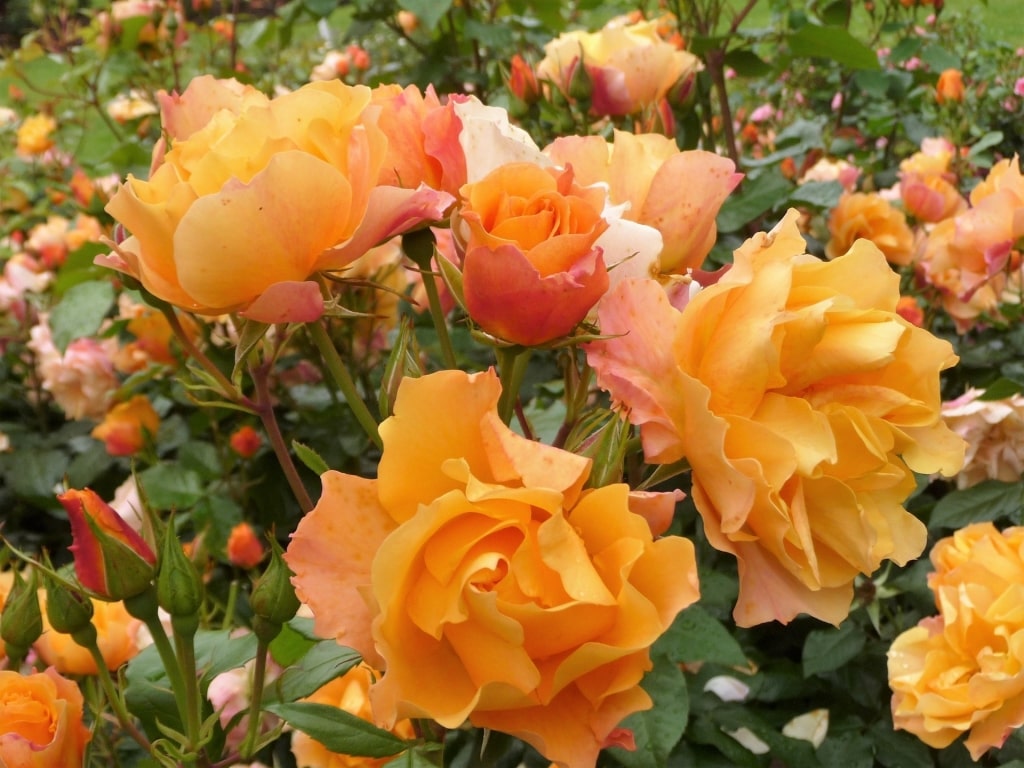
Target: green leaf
{"points": [[324, 662], [429, 12], [171, 486], [338, 730], [898, 749], [320, 8], [990, 139], [35, 473], [938, 58], [417, 757], [289, 646], [696, 635], [826, 650], [657, 730], [817, 194], [310, 458], [988, 500], [747, 63], [756, 196], [835, 44], [249, 336], [904, 49], [81, 312], [1001, 388]]}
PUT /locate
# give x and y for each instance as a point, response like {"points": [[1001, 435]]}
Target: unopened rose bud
{"points": [[179, 587], [111, 559], [244, 549], [245, 441], [21, 622], [68, 609], [273, 599]]}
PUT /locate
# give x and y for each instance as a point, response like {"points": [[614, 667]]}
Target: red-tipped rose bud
{"points": [[111, 559]]}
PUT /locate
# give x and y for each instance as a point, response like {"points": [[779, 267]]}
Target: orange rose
{"points": [[963, 670], [626, 66], [485, 580], [254, 196], [117, 638], [127, 426], [870, 216], [349, 692], [531, 270], [648, 171], [41, 721], [950, 86], [802, 401], [34, 134], [244, 548]]}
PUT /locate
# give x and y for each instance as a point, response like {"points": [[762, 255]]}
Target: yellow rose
{"points": [[350, 692], [963, 670], [870, 216], [34, 134], [628, 66], [477, 572], [41, 721], [116, 631], [802, 401], [255, 195], [659, 182]]}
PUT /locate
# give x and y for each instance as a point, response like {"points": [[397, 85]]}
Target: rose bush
{"points": [[485, 580], [801, 400]]}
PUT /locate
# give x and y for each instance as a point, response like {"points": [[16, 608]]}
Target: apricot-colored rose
{"points": [[351, 693], [870, 216], [677, 193], [127, 426], [950, 86], [628, 66], [477, 572], [244, 548], [41, 721], [117, 637], [531, 270], [963, 670], [253, 196], [34, 134], [801, 400]]}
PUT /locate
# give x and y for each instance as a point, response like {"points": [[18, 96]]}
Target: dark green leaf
{"points": [[171, 486], [989, 140], [310, 458], [35, 473], [657, 730], [826, 650], [904, 49], [338, 730], [756, 196], [898, 749], [325, 661], [747, 63], [817, 194], [429, 12], [696, 635], [1001, 388], [834, 44], [988, 500], [938, 58], [81, 312]]}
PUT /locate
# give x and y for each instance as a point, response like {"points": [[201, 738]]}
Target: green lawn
{"points": [[1003, 19]]}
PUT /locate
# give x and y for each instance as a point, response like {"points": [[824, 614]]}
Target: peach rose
{"points": [[531, 270], [994, 432], [128, 426], [117, 637], [963, 670], [485, 581], [41, 721], [802, 402], [950, 86], [351, 693], [34, 134], [648, 172], [629, 66], [870, 216], [253, 196]]}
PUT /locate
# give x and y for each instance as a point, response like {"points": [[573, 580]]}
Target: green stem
{"points": [[184, 642], [113, 698], [259, 676], [437, 315], [264, 407], [229, 609], [192, 351], [344, 381], [512, 363]]}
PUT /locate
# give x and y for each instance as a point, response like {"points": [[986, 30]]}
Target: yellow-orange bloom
{"points": [[351, 693], [117, 637], [963, 670], [41, 721], [531, 270], [485, 580], [127, 426], [626, 67], [34, 134], [950, 86], [252, 196], [870, 216], [802, 401], [677, 193]]}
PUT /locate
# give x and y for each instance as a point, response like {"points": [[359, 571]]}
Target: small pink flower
{"points": [[1018, 87], [837, 101], [762, 113], [912, 64], [81, 380]]}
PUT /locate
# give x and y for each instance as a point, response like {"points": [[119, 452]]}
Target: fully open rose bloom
{"points": [[870, 216], [477, 572], [628, 66], [994, 431], [963, 670], [41, 721], [801, 400], [677, 193], [252, 196]]}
